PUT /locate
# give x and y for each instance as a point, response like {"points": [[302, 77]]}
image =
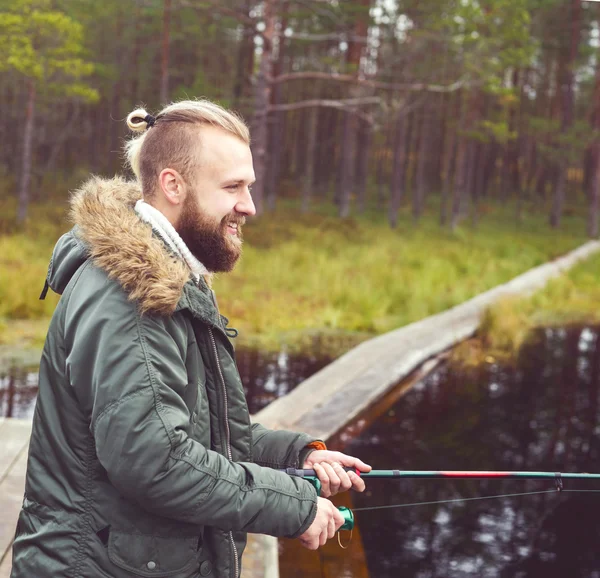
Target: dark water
{"points": [[266, 376], [542, 414]]}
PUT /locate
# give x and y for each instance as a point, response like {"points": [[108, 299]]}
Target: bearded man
{"points": [[143, 460]]}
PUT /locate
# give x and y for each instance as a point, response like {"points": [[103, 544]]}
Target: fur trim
{"points": [[123, 245]]}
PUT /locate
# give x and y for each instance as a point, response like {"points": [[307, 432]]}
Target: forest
{"points": [[409, 154], [366, 104]]}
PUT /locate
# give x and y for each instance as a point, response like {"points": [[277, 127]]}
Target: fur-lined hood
{"points": [[108, 230]]}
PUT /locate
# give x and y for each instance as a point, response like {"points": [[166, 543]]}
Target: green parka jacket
{"points": [[142, 460]]}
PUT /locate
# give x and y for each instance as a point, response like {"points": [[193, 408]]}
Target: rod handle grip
{"points": [[312, 474]]}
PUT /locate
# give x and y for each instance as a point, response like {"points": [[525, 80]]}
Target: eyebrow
{"points": [[239, 182]]}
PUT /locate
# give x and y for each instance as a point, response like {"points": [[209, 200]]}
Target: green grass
{"points": [[572, 298], [308, 275]]}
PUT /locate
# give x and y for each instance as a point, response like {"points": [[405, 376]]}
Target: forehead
{"points": [[223, 155]]}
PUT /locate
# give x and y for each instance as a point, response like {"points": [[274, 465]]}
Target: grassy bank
{"points": [[306, 274], [572, 298]]}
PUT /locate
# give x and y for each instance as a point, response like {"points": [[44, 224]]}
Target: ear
{"points": [[173, 186]]}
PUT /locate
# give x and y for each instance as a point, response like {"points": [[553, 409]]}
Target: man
{"points": [[143, 461]]}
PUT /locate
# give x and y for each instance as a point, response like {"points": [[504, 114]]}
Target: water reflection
{"points": [[266, 376], [541, 414], [18, 391]]}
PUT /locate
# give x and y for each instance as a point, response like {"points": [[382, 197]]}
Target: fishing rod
{"points": [[311, 476]]}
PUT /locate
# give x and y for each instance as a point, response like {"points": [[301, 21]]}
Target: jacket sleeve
{"points": [[133, 368], [279, 448]]}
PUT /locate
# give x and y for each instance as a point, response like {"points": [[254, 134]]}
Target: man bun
{"points": [[139, 120]]}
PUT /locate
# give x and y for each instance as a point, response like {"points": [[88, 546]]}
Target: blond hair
{"points": [[170, 139]]}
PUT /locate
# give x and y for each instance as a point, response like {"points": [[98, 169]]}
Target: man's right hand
{"points": [[326, 523]]}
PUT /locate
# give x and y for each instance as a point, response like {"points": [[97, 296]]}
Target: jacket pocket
{"points": [[153, 556]]}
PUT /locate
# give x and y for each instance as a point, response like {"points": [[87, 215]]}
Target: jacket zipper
{"points": [[227, 437]]}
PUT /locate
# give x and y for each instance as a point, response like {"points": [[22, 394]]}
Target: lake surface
{"points": [[266, 376], [540, 414]]}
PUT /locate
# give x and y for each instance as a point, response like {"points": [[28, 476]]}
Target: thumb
{"points": [[338, 519], [352, 462]]}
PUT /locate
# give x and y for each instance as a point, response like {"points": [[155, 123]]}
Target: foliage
{"points": [[45, 45]]}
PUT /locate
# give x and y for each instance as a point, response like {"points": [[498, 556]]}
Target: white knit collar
{"points": [[163, 227]]}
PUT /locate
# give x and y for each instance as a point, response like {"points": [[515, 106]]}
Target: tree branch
{"points": [[413, 87], [347, 105], [217, 6], [321, 37]]}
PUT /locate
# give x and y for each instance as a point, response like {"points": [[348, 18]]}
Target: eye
{"points": [[232, 187]]}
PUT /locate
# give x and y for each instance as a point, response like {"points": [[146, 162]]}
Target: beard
{"points": [[209, 241]]}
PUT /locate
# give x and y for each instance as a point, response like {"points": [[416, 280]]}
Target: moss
{"points": [[571, 299]]}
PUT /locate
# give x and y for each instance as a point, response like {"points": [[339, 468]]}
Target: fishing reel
{"points": [[346, 513]]}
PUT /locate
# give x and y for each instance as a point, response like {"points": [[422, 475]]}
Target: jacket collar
{"points": [[124, 246]]}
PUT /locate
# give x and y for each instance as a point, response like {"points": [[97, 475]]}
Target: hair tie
{"points": [[150, 120]]}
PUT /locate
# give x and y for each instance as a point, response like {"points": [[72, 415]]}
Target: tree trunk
{"points": [[244, 63], [73, 110], [261, 115], [325, 150], [474, 161], [460, 171], [348, 164], [27, 153], [278, 118], [164, 61], [510, 161], [437, 137], [349, 144], [449, 167], [398, 170], [489, 167], [135, 54], [362, 164], [482, 159], [566, 85], [594, 194], [422, 165], [381, 169], [309, 175]]}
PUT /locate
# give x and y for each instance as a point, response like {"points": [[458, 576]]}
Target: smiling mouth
{"points": [[232, 228]]}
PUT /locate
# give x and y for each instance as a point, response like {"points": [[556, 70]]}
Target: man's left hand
{"points": [[329, 467]]}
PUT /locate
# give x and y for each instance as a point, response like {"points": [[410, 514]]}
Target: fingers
{"points": [[324, 479], [332, 528], [358, 484], [334, 479], [333, 474], [338, 519], [343, 476], [361, 466], [323, 537], [327, 521], [352, 462]]}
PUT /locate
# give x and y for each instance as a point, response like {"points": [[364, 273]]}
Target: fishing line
{"points": [[466, 500]]}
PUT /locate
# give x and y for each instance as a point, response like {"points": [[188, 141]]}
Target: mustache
{"points": [[239, 220]]}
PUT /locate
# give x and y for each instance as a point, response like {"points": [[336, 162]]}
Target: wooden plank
{"points": [[14, 436], [6, 564], [12, 487]]}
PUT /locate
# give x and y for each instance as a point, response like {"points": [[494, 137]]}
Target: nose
{"points": [[245, 204]]}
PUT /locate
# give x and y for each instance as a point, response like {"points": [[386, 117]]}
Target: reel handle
{"points": [[346, 513]]}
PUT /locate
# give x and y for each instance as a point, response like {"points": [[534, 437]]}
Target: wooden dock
{"points": [[14, 441]]}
